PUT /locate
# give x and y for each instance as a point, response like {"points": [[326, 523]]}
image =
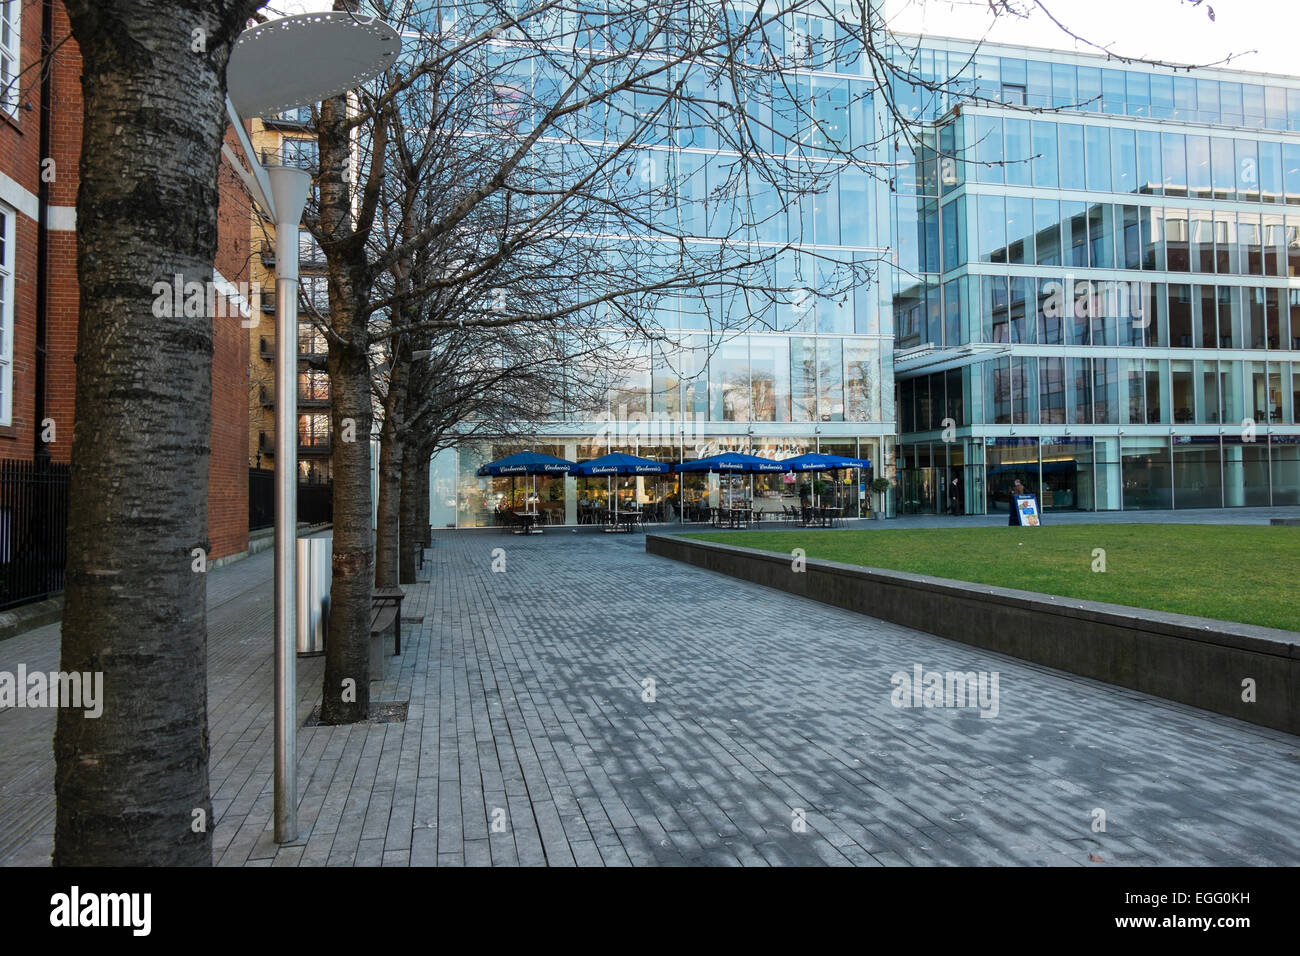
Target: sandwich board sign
{"points": [[1027, 510]]}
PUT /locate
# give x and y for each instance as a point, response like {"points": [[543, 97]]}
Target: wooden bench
{"points": [[385, 615]]}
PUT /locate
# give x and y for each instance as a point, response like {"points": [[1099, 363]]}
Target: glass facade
{"points": [[1096, 300], [1115, 307]]}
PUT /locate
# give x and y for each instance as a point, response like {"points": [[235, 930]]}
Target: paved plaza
{"points": [[594, 705]]}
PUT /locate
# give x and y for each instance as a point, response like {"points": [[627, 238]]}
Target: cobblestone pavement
{"points": [[771, 737]]}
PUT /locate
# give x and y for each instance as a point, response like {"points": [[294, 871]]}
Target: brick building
{"points": [[288, 137], [40, 144]]}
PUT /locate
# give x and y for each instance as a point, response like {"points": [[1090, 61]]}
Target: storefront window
{"points": [[1146, 474], [1286, 470], [1197, 480], [1007, 459], [1067, 474]]}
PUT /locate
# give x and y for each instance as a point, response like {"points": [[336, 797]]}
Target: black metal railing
{"points": [[33, 530], [315, 500]]}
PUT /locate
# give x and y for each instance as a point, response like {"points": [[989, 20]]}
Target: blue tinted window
{"points": [[1020, 231], [1019, 150], [992, 229], [1247, 169], [1162, 96], [1139, 94], [1253, 104], [1150, 178], [1270, 171], [1013, 71], [952, 244], [1184, 97], [1047, 231], [1044, 154], [1089, 78], [1064, 90], [1112, 91], [1223, 168], [1071, 138], [988, 148], [1198, 166], [1174, 156], [1040, 83], [1097, 140], [1123, 151], [1293, 109], [1207, 100], [1230, 103], [1291, 170], [1074, 234], [1275, 106]]}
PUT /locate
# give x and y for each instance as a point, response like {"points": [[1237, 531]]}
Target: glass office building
{"points": [[1089, 282], [1102, 300]]}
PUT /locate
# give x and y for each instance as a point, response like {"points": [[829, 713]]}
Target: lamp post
{"points": [[275, 66]]}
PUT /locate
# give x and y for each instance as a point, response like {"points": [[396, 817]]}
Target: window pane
{"points": [[1150, 178], [1047, 231], [1098, 156], [1019, 151], [1174, 158], [1045, 154], [1071, 139], [988, 149], [1123, 160]]}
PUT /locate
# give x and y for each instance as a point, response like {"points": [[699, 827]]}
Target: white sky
{"points": [[1263, 32], [1259, 35]]}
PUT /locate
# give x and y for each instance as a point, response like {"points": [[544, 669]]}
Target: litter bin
{"points": [[315, 555]]}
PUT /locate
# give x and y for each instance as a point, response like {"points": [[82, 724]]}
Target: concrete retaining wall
{"points": [[1192, 660]]}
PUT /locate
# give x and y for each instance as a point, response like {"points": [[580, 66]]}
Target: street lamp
{"points": [[276, 66]]}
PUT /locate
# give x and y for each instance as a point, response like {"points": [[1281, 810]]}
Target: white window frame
{"points": [[7, 317], [11, 66]]}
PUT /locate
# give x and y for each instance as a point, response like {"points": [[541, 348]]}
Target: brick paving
{"points": [[529, 740]]}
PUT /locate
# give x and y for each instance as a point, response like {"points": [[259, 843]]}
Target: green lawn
{"points": [[1229, 572]]}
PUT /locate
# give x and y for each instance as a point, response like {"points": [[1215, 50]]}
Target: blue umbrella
{"points": [[732, 463], [818, 462], [618, 463], [526, 463]]}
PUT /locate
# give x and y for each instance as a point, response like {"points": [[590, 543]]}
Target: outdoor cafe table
{"points": [[528, 522], [731, 517], [626, 518], [822, 517]]}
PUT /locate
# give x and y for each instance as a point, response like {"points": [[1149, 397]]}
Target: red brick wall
{"points": [[228, 466]]}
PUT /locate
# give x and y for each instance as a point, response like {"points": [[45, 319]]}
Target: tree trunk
{"points": [[415, 508], [345, 693], [345, 688], [388, 539], [132, 785], [422, 506]]}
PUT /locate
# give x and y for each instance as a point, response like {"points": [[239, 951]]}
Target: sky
{"points": [[1259, 35]]}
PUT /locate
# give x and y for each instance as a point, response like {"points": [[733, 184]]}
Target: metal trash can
{"points": [[315, 555]]}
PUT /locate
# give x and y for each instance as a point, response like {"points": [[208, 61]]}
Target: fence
{"points": [[33, 530], [315, 500]]}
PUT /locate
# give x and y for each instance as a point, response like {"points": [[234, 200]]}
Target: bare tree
{"points": [[132, 786]]}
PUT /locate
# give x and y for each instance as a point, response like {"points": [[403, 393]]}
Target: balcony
{"points": [[307, 397], [312, 350], [309, 446], [296, 118]]}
